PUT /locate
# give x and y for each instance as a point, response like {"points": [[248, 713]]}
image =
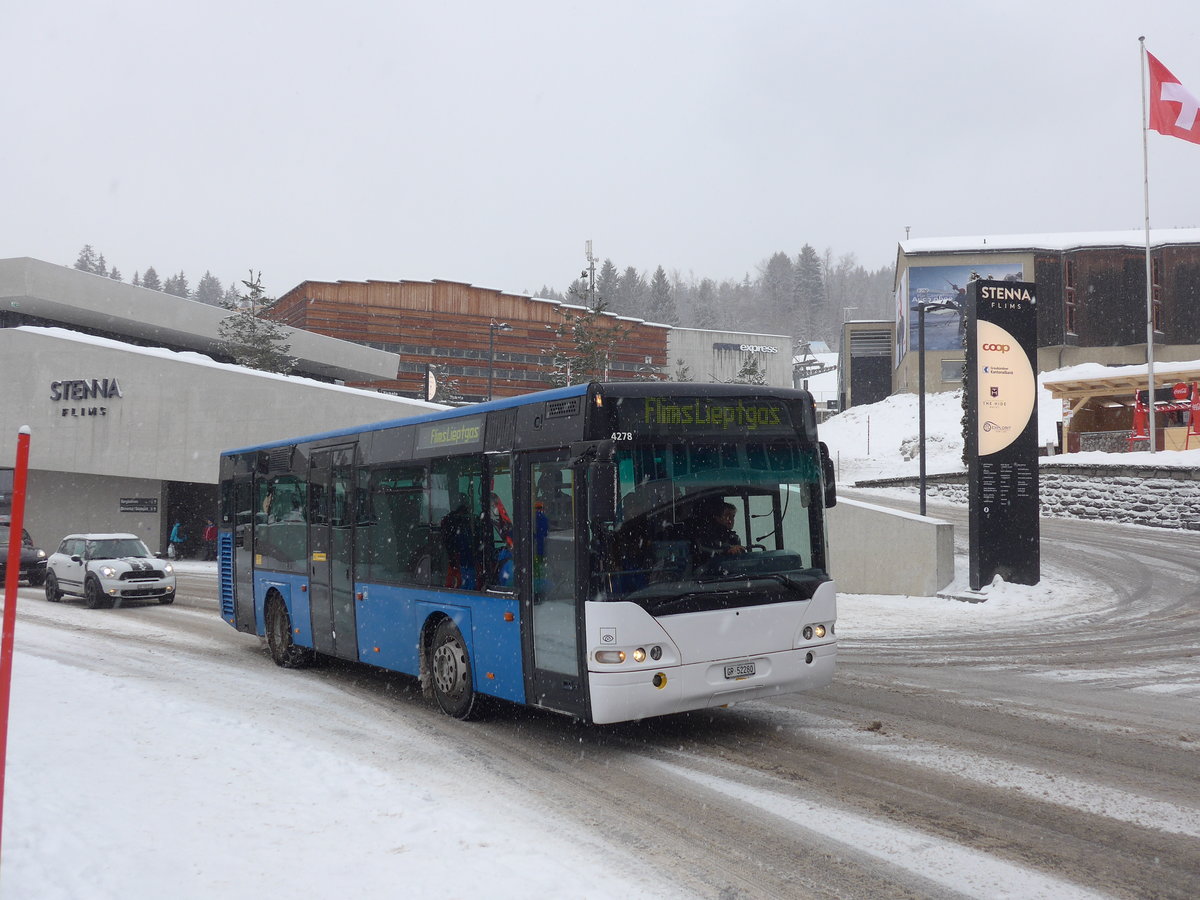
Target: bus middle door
{"points": [[331, 551], [553, 611]]}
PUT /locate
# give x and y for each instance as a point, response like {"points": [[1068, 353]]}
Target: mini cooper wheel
{"points": [[93, 594], [53, 594]]}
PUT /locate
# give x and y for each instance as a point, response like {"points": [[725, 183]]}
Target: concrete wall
{"points": [[876, 550], [695, 346], [56, 506], [74, 298], [176, 412]]}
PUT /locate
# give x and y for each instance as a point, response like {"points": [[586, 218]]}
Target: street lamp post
{"points": [[921, 307], [493, 327]]}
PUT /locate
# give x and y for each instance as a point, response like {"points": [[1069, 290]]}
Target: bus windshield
{"points": [[712, 525]]}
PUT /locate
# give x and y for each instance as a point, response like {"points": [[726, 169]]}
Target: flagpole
{"points": [[1149, 286]]}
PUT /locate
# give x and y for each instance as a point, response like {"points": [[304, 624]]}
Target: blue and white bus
{"points": [[545, 549]]}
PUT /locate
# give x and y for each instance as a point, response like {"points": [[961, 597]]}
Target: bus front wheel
{"points": [[279, 637], [451, 666]]}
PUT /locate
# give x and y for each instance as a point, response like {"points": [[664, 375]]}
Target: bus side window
{"points": [[500, 527], [456, 500]]}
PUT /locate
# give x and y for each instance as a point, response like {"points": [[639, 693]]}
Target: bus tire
{"points": [[450, 664], [279, 637]]}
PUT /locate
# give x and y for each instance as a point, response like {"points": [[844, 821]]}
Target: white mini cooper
{"points": [[105, 568]]}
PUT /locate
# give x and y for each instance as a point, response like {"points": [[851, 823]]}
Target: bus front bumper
{"points": [[626, 696]]}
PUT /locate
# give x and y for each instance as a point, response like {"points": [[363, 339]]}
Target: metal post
{"points": [[921, 396], [493, 327], [491, 356]]}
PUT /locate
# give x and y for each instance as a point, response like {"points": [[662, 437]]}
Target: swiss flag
{"points": [[1174, 110]]}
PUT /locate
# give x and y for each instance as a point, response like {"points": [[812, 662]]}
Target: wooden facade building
{"points": [[456, 327]]}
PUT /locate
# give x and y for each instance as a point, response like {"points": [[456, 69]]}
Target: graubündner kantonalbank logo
{"points": [[80, 391]]}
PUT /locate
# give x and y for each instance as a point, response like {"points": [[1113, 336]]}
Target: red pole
{"points": [[12, 572]]}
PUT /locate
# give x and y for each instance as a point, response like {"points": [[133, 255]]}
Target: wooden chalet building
{"points": [[460, 329]]}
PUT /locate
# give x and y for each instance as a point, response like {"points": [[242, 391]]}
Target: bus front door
{"points": [[552, 610], [331, 551]]}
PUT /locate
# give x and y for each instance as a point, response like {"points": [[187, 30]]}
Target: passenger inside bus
{"points": [[458, 539]]}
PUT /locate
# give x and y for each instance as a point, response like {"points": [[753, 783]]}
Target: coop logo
{"points": [[999, 348]]}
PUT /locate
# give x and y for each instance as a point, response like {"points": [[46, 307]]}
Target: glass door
{"points": [[331, 551], [553, 609]]}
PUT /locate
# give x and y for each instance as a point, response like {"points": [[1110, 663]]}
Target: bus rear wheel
{"points": [[451, 666], [279, 637]]}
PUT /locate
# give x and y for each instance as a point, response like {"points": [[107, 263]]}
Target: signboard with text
{"points": [[1002, 432]]}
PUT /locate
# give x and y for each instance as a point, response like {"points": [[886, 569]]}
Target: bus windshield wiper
{"points": [[786, 580]]}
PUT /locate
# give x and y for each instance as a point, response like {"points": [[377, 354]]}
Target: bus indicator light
{"points": [[610, 656]]}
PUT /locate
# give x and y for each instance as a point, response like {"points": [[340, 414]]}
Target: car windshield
{"points": [[5, 531], [702, 526], [114, 548]]}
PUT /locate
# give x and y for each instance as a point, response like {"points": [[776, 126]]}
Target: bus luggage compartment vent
{"points": [[561, 409]]}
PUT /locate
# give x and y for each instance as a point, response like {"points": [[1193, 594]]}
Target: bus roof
{"points": [[455, 412], [624, 389]]}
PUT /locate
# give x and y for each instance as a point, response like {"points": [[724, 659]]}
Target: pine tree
{"points": [[662, 299], [177, 285], [750, 373], [704, 312], [631, 294], [137, 279], [114, 273], [252, 341], [101, 266], [607, 280], [810, 319], [592, 338], [208, 290], [150, 279], [87, 259], [778, 288]]}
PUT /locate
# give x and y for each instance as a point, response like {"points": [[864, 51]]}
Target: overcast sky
{"points": [[486, 141]]}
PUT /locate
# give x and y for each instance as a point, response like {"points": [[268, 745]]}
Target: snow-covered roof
{"points": [[1062, 241], [199, 359]]}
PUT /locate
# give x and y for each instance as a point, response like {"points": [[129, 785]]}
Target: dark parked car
{"points": [[33, 559]]}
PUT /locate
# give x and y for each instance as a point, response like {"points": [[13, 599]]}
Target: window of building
{"points": [[952, 370], [1156, 311], [1069, 306]]}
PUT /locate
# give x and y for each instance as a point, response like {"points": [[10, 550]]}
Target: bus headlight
{"points": [[639, 655], [819, 631], [610, 656]]}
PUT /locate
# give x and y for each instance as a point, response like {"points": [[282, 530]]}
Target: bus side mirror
{"points": [[828, 476]]}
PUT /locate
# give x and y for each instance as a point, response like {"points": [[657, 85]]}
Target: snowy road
{"points": [[1045, 744]]}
